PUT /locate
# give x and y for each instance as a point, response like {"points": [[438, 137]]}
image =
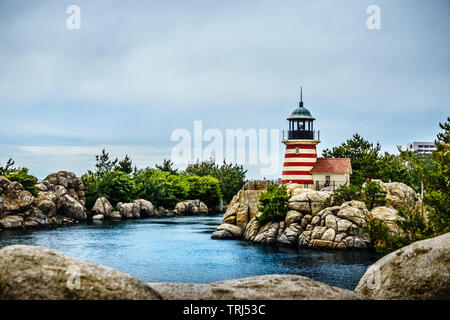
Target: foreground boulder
{"points": [[36, 273], [268, 287], [420, 270]]}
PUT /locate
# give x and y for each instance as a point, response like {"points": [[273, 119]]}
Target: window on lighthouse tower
{"points": [[297, 150]]}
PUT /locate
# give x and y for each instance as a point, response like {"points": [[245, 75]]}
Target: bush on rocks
{"points": [[273, 203]]}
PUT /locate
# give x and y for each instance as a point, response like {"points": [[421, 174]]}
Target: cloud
{"points": [[138, 70]]}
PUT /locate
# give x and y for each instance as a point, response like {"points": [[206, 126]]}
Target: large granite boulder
{"points": [[191, 207], [72, 208], [420, 270], [244, 205], [354, 211], [129, 210], [388, 215], [310, 201], [145, 208], [103, 207], [267, 287], [400, 195], [29, 272], [227, 231], [332, 228]]}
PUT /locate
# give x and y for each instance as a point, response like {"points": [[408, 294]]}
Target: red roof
{"points": [[336, 165]]}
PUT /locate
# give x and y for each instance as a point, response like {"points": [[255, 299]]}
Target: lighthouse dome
{"points": [[301, 113]]}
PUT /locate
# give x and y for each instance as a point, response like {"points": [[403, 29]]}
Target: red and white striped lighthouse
{"points": [[301, 154]]}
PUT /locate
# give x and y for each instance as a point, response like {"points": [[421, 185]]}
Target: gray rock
{"points": [[420, 270], [129, 210], [103, 207], [115, 215], [37, 273], [227, 231], [355, 211], [191, 207], [145, 208], [11, 222], [268, 287], [98, 217]]}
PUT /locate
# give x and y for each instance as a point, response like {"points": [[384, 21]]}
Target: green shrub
{"points": [[163, 188], [150, 185], [207, 189], [20, 175], [412, 223], [373, 195], [230, 176], [273, 203], [90, 183], [116, 186], [380, 237], [347, 192]]}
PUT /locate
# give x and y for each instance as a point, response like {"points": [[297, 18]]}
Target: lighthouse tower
{"points": [[301, 154]]}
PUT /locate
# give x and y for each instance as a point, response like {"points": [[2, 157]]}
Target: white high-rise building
{"points": [[421, 147]]}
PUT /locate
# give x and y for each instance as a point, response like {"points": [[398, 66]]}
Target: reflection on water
{"points": [[181, 250]]}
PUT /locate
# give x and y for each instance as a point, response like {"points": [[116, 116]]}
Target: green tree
{"points": [[347, 192], [437, 182], [434, 173], [394, 168], [363, 154], [373, 195], [126, 165], [149, 186], [90, 183], [9, 165], [231, 176], [273, 203], [116, 186], [368, 162], [104, 164], [167, 166]]}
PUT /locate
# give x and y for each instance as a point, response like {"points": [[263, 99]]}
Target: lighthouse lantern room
{"points": [[301, 154]]}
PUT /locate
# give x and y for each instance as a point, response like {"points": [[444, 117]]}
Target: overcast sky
{"points": [[138, 70]]}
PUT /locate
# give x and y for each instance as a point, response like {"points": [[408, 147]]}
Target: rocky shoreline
{"points": [[418, 271], [61, 201], [314, 219]]}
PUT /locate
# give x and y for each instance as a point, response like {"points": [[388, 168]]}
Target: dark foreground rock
{"points": [[29, 272], [268, 287], [418, 271]]}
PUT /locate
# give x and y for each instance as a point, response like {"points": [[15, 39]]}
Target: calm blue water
{"points": [[181, 250]]}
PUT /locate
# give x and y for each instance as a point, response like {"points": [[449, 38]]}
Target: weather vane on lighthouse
{"points": [[301, 154]]}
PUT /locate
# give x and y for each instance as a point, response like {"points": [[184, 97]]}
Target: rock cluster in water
{"points": [[418, 271], [141, 208], [313, 220], [60, 201]]}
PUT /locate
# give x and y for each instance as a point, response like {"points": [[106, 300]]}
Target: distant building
{"points": [[421, 147]]}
